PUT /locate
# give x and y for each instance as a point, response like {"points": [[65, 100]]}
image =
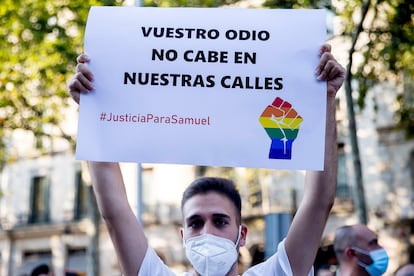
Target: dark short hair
{"points": [[219, 185], [40, 269]]}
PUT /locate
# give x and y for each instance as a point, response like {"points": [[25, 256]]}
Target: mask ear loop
{"points": [[238, 236], [183, 242], [365, 252]]}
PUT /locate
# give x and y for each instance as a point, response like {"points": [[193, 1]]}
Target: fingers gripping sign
{"points": [[82, 81], [281, 122]]}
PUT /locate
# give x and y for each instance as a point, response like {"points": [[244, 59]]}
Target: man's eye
{"points": [[220, 222], [195, 224]]}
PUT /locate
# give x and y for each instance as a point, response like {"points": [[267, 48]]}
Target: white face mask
{"points": [[211, 255]]}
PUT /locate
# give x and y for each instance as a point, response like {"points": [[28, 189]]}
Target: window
{"points": [[39, 211], [32, 259], [81, 197], [76, 261]]}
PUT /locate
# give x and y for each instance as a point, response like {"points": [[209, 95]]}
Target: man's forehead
{"points": [[365, 235], [207, 204]]}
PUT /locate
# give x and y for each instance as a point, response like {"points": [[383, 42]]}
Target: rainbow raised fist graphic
{"points": [[281, 123]]}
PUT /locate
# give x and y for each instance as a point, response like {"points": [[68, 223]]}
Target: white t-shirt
{"points": [[277, 265]]}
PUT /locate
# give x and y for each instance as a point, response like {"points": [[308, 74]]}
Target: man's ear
{"points": [[182, 233], [243, 235], [349, 252]]}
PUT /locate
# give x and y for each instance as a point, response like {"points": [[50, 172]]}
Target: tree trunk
{"points": [[359, 193]]}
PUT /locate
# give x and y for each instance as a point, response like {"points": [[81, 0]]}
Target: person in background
{"points": [[358, 252], [212, 230]]}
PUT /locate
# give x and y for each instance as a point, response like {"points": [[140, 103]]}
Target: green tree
{"points": [[381, 34], [39, 42], [385, 43], [185, 3]]}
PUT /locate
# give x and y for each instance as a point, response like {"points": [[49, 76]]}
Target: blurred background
{"points": [[47, 210]]}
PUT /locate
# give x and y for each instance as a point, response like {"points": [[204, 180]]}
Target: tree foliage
{"points": [[39, 42], [186, 3], [297, 4], [384, 51], [388, 55]]}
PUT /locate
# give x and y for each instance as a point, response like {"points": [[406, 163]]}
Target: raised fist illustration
{"points": [[281, 122]]}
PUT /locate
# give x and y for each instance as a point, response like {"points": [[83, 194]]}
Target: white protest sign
{"points": [[214, 87]]}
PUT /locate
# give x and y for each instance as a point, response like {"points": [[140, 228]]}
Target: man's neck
{"points": [[352, 271]]}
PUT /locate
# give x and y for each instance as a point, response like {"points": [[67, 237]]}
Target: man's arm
{"points": [[307, 227], [126, 233]]}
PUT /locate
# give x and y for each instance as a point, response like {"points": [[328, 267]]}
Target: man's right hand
{"points": [[82, 81]]}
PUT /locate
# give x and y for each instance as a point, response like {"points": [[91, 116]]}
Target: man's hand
{"points": [[81, 82], [330, 70]]}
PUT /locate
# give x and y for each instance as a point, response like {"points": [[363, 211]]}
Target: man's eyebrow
{"points": [[221, 215], [192, 217], [215, 215], [373, 241]]}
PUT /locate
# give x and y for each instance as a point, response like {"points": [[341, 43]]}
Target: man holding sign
{"points": [[212, 230]]}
